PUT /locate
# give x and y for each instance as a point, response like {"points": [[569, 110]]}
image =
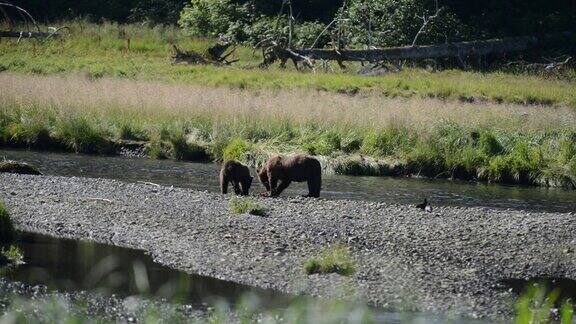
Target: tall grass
{"points": [[363, 135], [99, 50]]}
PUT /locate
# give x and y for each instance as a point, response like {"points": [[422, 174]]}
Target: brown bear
{"points": [[238, 174], [298, 168]]}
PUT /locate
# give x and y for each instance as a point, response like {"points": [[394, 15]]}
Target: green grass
{"points": [[13, 254], [535, 304], [333, 260], [83, 110], [246, 206], [97, 51], [535, 155], [235, 150], [7, 230]]}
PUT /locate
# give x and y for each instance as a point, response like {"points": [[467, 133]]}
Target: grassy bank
{"points": [[361, 135], [101, 50]]}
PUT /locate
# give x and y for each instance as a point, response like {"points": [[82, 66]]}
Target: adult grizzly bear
{"points": [[298, 168], [238, 174]]}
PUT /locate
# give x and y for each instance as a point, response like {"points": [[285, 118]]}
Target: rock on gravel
{"points": [[450, 261]]}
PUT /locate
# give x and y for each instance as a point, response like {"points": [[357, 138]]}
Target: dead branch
{"points": [[215, 55], [425, 22], [219, 53], [100, 199], [551, 67], [26, 17], [149, 183]]}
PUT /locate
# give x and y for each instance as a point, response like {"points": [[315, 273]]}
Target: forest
{"points": [[385, 22]]}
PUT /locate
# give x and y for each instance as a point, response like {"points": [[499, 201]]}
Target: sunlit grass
{"points": [[537, 305], [333, 260], [362, 135], [246, 206], [98, 51], [13, 254]]}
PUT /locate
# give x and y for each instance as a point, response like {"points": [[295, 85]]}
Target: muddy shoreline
{"points": [[450, 261]]}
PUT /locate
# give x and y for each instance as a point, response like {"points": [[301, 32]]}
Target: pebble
{"points": [[464, 250]]}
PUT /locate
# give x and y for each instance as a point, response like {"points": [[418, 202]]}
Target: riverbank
{"points": [[360, 135], [450, 261]]}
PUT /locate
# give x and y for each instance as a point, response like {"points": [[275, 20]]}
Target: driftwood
{"points": [[454, 50], [28, 20], [215, 55]]}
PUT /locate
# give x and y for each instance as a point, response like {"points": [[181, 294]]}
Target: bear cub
{"points": [[238, 174]]}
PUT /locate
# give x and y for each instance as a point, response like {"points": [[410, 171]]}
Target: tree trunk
{"points": [[453, 50]]}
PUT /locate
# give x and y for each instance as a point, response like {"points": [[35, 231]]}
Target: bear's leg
{"points": [[245, 190], [223, 184], [283, 185], [236, 185], [272, 182], [314, 186]]}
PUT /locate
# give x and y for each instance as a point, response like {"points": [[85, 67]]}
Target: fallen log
{"points": [[25, 34], [452, 50]]}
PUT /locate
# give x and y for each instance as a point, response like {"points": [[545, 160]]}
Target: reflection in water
{"points": [[393, 190], [69, 265]]}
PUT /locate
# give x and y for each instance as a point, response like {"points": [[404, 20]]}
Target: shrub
{"points": [[212, 18], [306, 33], [128, 131], [385, 142], [246, 206], [489, 145], [351, 144], [13, 254], [157, 149], [568, 148], [333, 260], [81, 136], [182, 150], [264, 27], [327, 144], [396, 23], [235, 150], [30, 132], [7, 230]]}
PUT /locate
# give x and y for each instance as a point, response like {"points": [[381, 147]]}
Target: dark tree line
{"points": [[122, 11], [476, 18]]}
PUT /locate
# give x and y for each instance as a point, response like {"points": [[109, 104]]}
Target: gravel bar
{"points": [[450, 261]]}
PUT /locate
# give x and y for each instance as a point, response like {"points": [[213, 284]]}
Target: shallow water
{"points": [[68, 265], [393, 190]]}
